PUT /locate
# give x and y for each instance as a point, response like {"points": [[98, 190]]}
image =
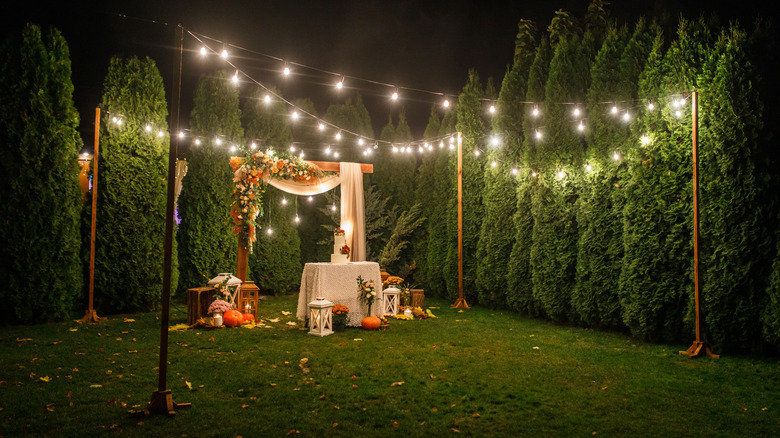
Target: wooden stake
{"points": [[162, 401], [460, 303], [91, 315], [699, 347]]}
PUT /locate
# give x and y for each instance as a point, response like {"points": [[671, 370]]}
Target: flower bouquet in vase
{"points": [[367, 294], [340, 314], [217, 309]]}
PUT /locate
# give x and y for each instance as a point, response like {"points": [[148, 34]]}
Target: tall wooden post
{"points": [[162, 400], [460, 303], [698, 348], [91, 315]]}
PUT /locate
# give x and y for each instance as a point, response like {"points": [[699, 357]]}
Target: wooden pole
{"points": [[91, 315], [698, 348], [460, 303], [162, 400]]}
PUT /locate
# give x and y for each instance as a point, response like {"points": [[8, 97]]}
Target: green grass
{"points": [[476, 372]]}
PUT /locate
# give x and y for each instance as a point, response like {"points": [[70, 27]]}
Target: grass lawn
{"points": [[476, 372]]}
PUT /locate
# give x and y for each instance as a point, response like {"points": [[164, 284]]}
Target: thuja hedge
{"points": [[610, 244], [39, 192]]}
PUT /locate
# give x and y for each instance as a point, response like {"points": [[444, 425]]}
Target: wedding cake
{"points": [[340, 248]]}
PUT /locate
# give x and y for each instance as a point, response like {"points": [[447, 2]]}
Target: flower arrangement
{"points": [[338, 232], [406, 292], [340, 313], [225, 292], [345, 250], [393, 281], [248, 193], [219, 306], [366, 291]]}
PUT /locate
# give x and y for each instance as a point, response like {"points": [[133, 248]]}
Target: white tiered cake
{"points": [[339, 242]]}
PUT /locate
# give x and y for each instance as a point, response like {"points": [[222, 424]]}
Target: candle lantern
{"points": [[391, 297], [321, 317]]}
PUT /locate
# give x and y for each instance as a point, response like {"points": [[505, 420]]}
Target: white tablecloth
{"points": [[338, 283]]}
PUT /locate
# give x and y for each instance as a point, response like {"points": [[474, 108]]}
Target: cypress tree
{"points": [[495, 244], [40, 194], [352, 116], [519, 279], [554, 249], [207, 245], [275, 262], [132, 188], [599, 207], [472, 126], [736, 248], [656, 284], [442, 228], [395, 178]]}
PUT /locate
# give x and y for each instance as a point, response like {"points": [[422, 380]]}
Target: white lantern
{"points": [[391, 297], [234, 283], [320, 317]]}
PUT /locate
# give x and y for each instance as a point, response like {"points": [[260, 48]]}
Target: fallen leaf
{"points": [[304, 360], [764, 409], [291, 323], [96, 386], [434, 409], [74, 329], [273, 320], [476, 415], [431, 376], [354, 386], [189, 385], [49, 407], [353, 377], [286, 313], [335, 425], [46, 379], [129, 320], [336, 407], [244, 406], [357, 339], [604, 387], [322, 397], [395, 424], [272, 384], [397, 383], [452, 429], [536, 348]]}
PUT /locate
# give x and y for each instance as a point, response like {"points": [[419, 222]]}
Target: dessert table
{"points": [[338, 284]]}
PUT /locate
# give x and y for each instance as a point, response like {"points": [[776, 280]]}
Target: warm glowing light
{"points": [[218, 141], [267, 98], [181, 134], [395, 149], [576, 112], [203, 51], [336, 154], [114, 119], [301, 155], [311, 198], [614, 110], [338, 135], [514, 171], [334, 207], [446, 103], [538, 135], [269, 231], [678, 113], [160, 133], [476, 152], [452, 147], [340, 84], [327, 151], [235, 77], [286, 71], [253, 146], [535, 112], [493, 164], [650, 106], [148, 128], [292, 148], [284, 201], [492, 109], [224, 53], [360, 141], [560, 174], [297, 219], [533, 174], [627, 117], [588, 168], [495, 141], [395, 95], [581, 127], [615, 156], [322, 126], [441, 144], [197, 142], [645, 140], [295, 115], [232, 148]]}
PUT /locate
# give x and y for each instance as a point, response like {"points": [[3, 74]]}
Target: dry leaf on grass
{"points": [[46, 379], [286, 313], [397, 383], [189, 385]]}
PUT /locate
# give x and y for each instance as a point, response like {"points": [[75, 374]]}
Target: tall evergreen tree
{"points": [[39, 194], [519, 279], [395, 177], [353, 116], [275, 262], [736, 250], [599, 207], [495, 244], [561, 150], [440, 228], [471, 124], [207, 245], [132, 188]]}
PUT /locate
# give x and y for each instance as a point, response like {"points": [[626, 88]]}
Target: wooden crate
{"points": [[418, 298], [198, 301]]}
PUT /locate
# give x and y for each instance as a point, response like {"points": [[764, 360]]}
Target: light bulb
{"points": [[395, 95], [181, 134], [360, 141], [160, 133], [203, 51], [336, 154], [538, 135], [340, 84], [492, 109], [626, 117], [232, 148], [493, 164], [292, 148], [338, 135], [286, 71], [476, 152], [218, 141], [297, 219], [395, 149], [284, 201], [650, 106], [645, 140], [495, 141], [301, 154], [615, 156], [311, 198], [576, 112], [197, 142], [269, 231], [148, 128], [334, 207], [224, 53], [322, 126], [678, 113], [533, 174], [267, 98], [581, 127], [253, 146], [441, 144], [295, 115], [446, 103], [587, 167], [235, 77], [535, 112], [514, 171]]}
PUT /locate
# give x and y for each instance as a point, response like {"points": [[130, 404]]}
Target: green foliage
{"points": [[39, 192], [132, 188], [352, 116], [206, 243], [275, 262], [736, 252], [402, 225]]}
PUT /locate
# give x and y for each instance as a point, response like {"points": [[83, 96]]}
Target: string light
{"points": [[338, 135], [292, 148], [492, 109], [253, 146], [267, 98], [615, 156], [181, 134], [560, 173], [224, 54], [334, 207], [534, 174], [645, 140], [395, 95], [197, 142], [232, 148], [284, 201], [493, 164], [235, 77], [148, 128], [218, 141], [340, 84], [588, 168], [627, 117], [650, 106], [295, 115], [581, 127], [203, 51], [538, 134], [535, 111], [495, 141], [311, 198], [286, 71], [446, 103], [297, 219], [321, 126], [514, 171], [614, 109], [576, 112], [269, 231]]}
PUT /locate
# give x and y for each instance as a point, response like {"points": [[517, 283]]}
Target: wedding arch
{"points": [[295, 176]]}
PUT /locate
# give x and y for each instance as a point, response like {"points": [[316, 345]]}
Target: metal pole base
{"points": [[90, 316], [460, 303], [161, 403], [698, 349]]}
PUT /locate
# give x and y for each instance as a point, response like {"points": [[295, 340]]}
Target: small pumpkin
{"points": [[371, 323], [248, 317], [232, 318]]}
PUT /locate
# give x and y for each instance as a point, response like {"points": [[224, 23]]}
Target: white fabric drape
{"points": [[320, 185], [352, 210]]}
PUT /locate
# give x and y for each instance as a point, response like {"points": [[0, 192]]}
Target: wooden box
{"points": [[198, 301], [418, 298]]}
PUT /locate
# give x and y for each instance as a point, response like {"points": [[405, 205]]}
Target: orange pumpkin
{"points": [[370, 323], [248, 317], [232, 318]]}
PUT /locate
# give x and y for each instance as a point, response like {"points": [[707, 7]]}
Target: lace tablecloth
{"points": [[338, 283]]}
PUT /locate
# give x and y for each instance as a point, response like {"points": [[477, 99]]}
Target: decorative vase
{"points": [[408, 312], [217, 319], [371, 323]]}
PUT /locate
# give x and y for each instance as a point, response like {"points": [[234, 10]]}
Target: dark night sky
{"points": [[427, 45]]}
